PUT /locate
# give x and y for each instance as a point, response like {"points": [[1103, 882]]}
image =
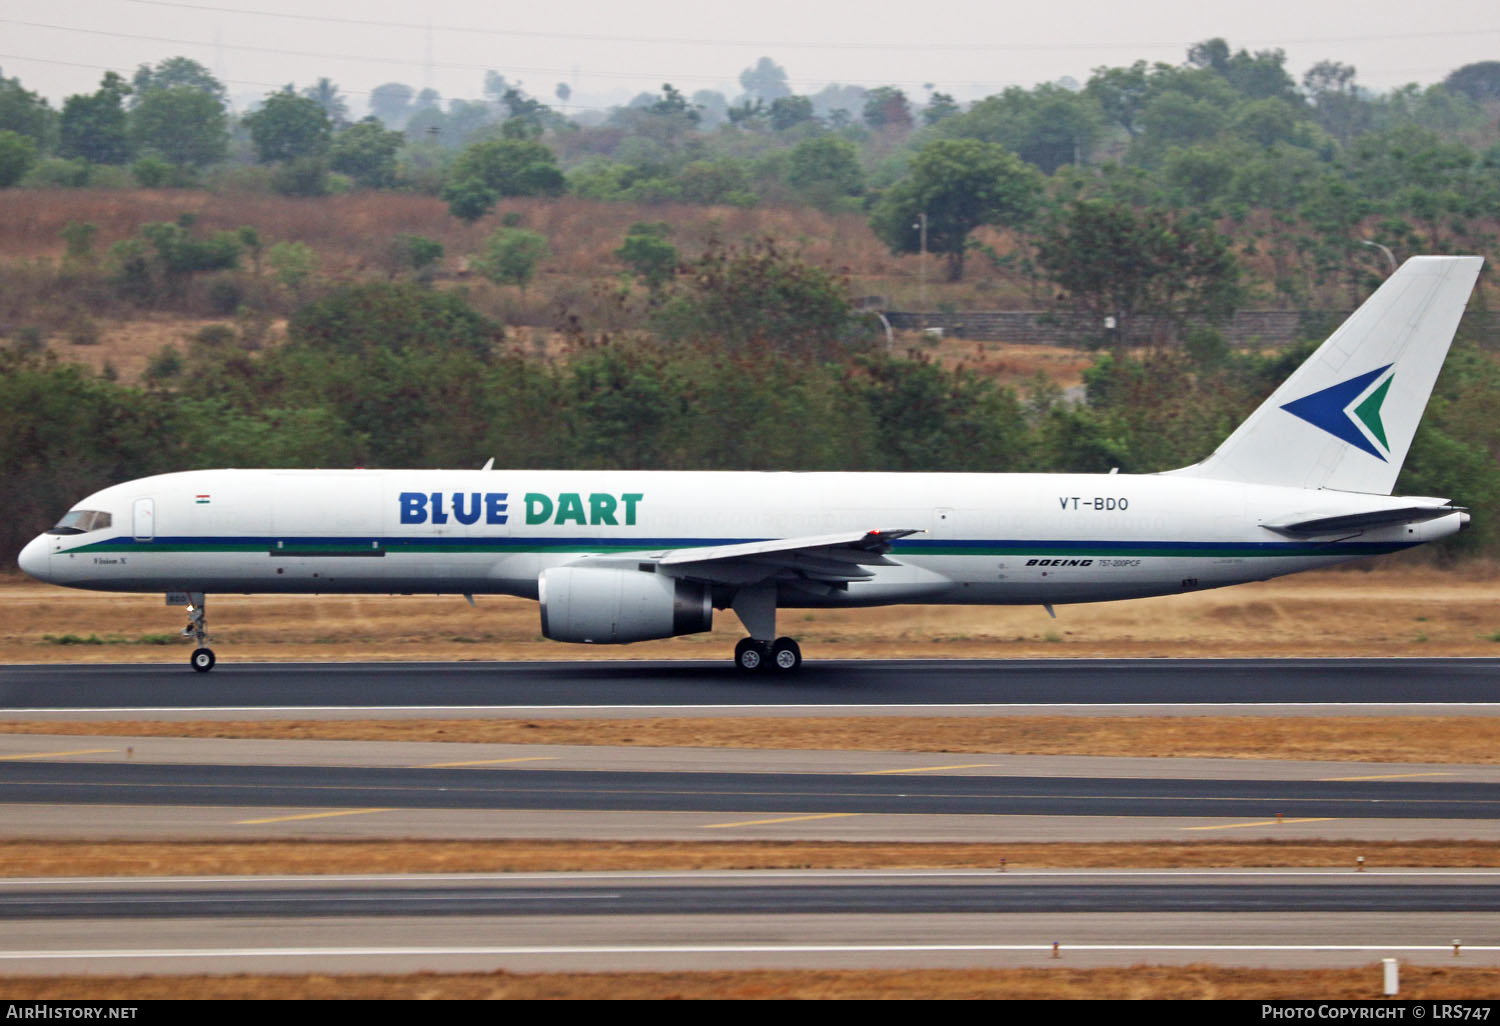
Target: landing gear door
{"points": [[144, 518]]}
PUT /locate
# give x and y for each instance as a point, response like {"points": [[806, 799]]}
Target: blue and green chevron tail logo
{"points": [[1341, 409]]}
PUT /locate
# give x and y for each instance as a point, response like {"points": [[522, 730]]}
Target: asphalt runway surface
{"points": [[726, 920], [847, 893], [687, 688], [144, 788], [749, 794]]}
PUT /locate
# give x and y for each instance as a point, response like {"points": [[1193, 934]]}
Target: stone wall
{"points": [[1263, 327], [1248, 327]]}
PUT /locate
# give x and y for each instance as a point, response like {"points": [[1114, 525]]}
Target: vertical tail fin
{"points": [[1345, 418]]}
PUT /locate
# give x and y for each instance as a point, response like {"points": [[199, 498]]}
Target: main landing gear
{"points": [[756, 608], [782, 655], [203, 658]]}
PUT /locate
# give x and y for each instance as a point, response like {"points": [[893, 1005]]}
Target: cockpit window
{"points": [[81, 521]]}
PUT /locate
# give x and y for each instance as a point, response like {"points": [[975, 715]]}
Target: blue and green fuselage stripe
{"points": [[368, 546]]}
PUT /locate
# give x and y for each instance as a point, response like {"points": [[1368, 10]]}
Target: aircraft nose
{"points": [[36, 558]]}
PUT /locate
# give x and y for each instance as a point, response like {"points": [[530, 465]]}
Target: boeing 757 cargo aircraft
{"points": [[621, 556]]}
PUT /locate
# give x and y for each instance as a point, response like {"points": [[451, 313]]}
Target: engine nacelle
{"points": [[604, 606]]}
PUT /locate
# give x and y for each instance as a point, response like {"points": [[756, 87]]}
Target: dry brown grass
{"points": [[70, 858], [1189, 982], [349, 233], [1420, 739], [1394, 609]]}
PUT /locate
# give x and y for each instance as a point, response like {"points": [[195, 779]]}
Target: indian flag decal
{"points": [[201, 500]]}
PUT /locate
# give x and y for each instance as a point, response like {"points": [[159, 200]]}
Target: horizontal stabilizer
{"points": [[1362, 521]]}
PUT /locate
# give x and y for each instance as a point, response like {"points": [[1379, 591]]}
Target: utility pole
{"points": [[921, 226]]}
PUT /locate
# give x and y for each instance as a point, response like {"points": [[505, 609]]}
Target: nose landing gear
{"points": [[203, 658]]}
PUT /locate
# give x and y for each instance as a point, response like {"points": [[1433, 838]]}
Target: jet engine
{"points": [[606, 606]]}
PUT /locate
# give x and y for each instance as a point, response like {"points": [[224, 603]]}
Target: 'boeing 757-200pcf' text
{"points": [[620, 556]]}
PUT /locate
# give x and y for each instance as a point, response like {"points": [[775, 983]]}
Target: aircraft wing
{"points": [[829, 559]]}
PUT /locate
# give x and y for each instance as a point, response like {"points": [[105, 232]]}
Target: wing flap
{"points": [[857, 545], [829, 559]]}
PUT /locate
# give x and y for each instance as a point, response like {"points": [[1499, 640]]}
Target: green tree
{"points": [[1456, 451], [825, 169], [1479, 81], [648, 254], [1117, 262], [25, 113], [511, 256], [366, 152], [487, 171], [416, 255], [183, 125], [758, 297], [673, 106], [930, 419], [1121, 94], [1334, 211], [940, 106], [175, 72], [1337, 105], [789, 112], [959, 184], [361, 320], [68, 433], [301, 176], [529, 111], [1175, 118], [293, 264], [401, 369], [1272, 121], [469, 199], [17, 154], [287, 126], [326, 95], [158, 261], [1199, 175], [94, 127], [887, 107], [1047, 126], [715, 181]]}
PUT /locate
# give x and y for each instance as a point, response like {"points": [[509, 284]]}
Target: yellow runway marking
{"points": [[930, 769], [786, 819], [1390, 776], [1265, 822], [309, 815], [55, 755], [487, 762]]}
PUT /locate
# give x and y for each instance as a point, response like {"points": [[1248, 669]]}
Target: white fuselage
{"points": [[986, 538]]}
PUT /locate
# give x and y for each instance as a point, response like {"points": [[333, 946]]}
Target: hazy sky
{"points": [[609, 51]]}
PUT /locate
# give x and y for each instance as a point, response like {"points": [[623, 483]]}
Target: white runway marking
{"points": [[709, 949]]}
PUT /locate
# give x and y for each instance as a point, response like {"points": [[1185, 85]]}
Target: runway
{"points": [[146, 788], [622, 687], [749, 794], [624, 921], [150, 788], [759, 894]]}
